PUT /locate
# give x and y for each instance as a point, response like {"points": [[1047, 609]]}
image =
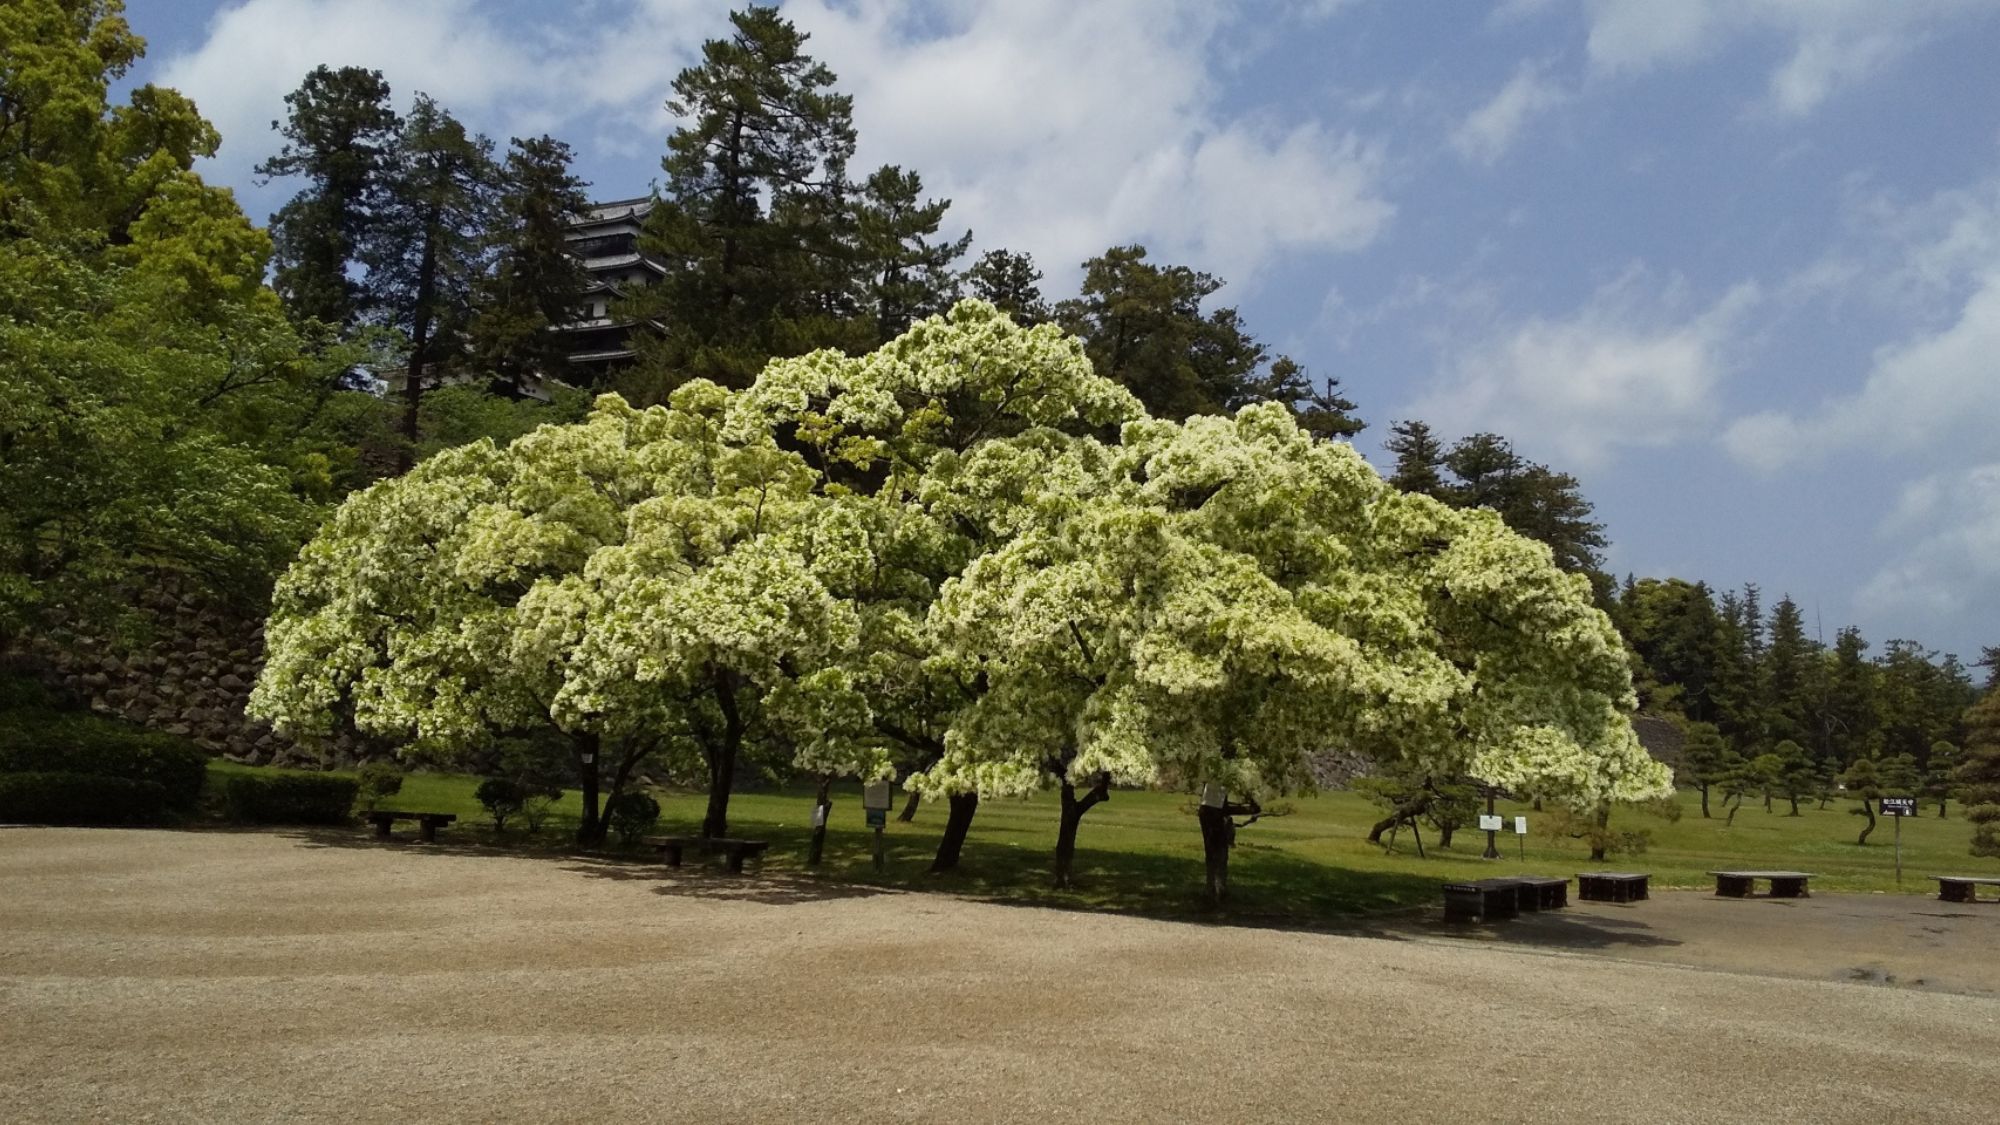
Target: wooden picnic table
{"points": [[734, 851], [1611, 886], [428, 823], [1963, 888], [1784, 884]]}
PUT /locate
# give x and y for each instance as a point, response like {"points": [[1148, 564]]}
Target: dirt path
{"points": [[252, 977]]}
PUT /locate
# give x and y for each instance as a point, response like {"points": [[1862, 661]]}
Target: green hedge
{"points": [[289, 799], [58, 742], [81, 798]]}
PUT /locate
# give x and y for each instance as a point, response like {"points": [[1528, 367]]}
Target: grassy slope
{"points": [[1142, 851]]}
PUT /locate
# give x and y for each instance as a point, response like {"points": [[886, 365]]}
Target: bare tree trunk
{"points": [[1403, 815], [1444, 833], [1073, 809], [1795, 805], [956, 825], [1601, 838], [822, 812], [909, 812], [722, 759], [1216, 831], [1868, 810], [1704, 800], [590, 832]]}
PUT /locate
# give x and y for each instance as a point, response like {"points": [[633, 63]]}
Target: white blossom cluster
{"points": [[965, 558]]}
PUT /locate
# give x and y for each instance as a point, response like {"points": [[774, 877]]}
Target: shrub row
{"points": [[66, 743], [289, 799], [81, 798]]}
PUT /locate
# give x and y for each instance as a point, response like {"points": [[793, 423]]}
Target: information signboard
{"points": [[1520, 826], [1488, 823], [878, 818], [1899, 806], [875, 795]]}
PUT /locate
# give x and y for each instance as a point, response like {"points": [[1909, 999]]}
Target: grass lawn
{"points": [[1141, 851]]}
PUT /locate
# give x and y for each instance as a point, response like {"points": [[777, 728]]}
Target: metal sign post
{"points": [[1898, 807], [1491, 824], [875, 801], [1521, 835]]}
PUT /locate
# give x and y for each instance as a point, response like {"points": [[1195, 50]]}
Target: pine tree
{"points": [[754, 216], [1941, 774], [1533, 499], [1705, 758], [425, 249], [1318, 405], [1012, 282], [1989, 659], [535, 281], [906, 272], [1784, 675], [1979, 774], [339, 132], [1419, 458], [1863, 782]]}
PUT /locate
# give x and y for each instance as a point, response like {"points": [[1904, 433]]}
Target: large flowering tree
{"points": [[1234, 595]]}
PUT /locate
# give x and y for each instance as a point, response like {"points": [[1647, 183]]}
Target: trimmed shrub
{"points": [[289, 798], [80, 798], [631, 815], [377, 781], [502, 797], [57, 742]]}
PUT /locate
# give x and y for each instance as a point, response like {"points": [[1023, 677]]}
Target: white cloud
{"points": [[1937, 392], [1830, 43], [1055, 128], [1486, 135], [1063, 129], [1614, 375], [1948, 564]]}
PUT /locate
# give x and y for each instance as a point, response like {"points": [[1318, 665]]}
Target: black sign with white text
{"points": [[1899, 806]]}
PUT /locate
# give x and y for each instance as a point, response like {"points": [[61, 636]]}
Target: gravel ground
{"points": [[258, 977]]}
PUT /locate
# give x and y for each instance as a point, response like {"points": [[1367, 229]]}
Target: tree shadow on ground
{"points": [[715, 881], [1550, 929]]}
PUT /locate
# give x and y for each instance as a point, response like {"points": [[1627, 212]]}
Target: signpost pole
{"points": [[1899, 850], [1492, 834]]}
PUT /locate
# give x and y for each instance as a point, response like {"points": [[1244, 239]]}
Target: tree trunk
{"points": [[1941, 812], [1867, 810], [822, 812], [1444, 833], [1600, 838], [1215, 833], [1767, 801], [589, 833], [1073, 809], [1404, 815], [1731, 822], [722, 759], [1795, 805], [1704, 800], [956, 825], [909, 812], [420, 340]]}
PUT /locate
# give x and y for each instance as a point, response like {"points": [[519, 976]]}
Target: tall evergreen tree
{"points": [[1143, 326], [905, 269], [1979, 774], [339, 135], [1989, 659], [1784, 679], [1534, 500], [753, 216], [1011, 282], [1419, 458], [1320, 407], [425, 248], [1844, 715], [535, 282]]}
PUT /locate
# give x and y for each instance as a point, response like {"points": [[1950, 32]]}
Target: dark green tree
{"points": [[1797, 775], [1320, 407], [1143, 326], [1011, 282], [1419, 458], [1533, 499], [1941, 774], [1979, 774], [339, 133], [1863, 782], [1705, 758], [426, 250], [535, 282], [754, 218], [1784, 676], [906, 270]]}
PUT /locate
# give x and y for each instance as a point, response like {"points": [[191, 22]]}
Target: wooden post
{"points": [[1492, 836], [880, 860]]}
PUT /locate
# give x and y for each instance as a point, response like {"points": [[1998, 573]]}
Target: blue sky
{"points": [[1735, 263]]}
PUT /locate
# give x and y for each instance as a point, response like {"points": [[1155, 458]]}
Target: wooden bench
{"points": [[1541, 892], [1611, 886], [428, 823], [735, 851], [1963, 888], [1784, 884]]}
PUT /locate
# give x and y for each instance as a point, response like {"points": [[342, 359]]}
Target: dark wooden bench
{"points": [[1963, 888], [1488, 900], [1540, 892], [1784, 884], [734, 851], [1611, 886], [428, 823]]}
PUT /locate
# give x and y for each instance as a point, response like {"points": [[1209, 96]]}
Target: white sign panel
{"points": [[1492, 823], [1520, 826], [875, 795]]}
